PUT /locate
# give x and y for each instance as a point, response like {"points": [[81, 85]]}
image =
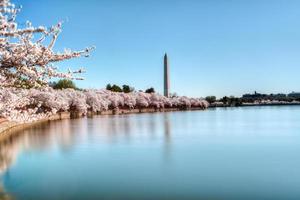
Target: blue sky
{"points": [[215, 47]]}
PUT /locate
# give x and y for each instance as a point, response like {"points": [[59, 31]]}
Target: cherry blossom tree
{"points": [[25, 105], [26, 59]]}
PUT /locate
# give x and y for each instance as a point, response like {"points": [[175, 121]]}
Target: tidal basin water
{"points": [[223, 153]]}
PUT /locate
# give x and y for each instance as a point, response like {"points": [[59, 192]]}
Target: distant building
{"points": [[263, 97], [166, 77], [294, 95], [277, 96], [254, 96]]}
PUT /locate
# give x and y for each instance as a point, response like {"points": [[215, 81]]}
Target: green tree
{"points": [[150, 90], [116, 88], [211, 99], [64, 83], [108, 87], [231, 101], [127, 89], [224, 100]]}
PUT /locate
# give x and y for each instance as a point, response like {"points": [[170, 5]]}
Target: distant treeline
{"points": [[126, 89], [254, 98], [66, 83]]}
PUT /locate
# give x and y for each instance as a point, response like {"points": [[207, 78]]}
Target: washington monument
{"points": [[166, 77]]}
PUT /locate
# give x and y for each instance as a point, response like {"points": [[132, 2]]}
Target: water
{"points": [[233, 153]]}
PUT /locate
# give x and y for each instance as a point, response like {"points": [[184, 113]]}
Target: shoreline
{"points": [[258, 105], [8, 128]]}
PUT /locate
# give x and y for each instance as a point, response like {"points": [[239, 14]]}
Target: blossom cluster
{"points": [[25, 105], [26, 58]]}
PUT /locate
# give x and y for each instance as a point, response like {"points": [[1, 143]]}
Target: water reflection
{"points": [[8, 154], [4, 195], [219, 154], [167, 135], [64, 135], [40, 137]]}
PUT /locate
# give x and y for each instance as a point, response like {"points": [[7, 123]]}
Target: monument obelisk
{"points": [[166, 77]]}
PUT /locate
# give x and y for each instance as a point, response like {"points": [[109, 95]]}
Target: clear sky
{"points": [[215, 47]]}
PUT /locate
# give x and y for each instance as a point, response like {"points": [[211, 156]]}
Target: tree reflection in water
{"points": [[38, 137], [100, 129], [65, 135], [4, 195]]}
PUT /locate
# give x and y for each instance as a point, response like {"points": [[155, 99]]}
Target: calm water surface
{"points": [[233, 153]]}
